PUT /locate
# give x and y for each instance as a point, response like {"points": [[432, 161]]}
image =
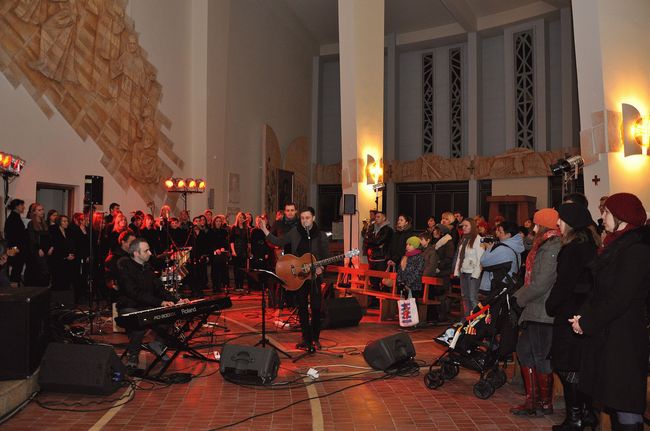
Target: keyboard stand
{"points": [[179, 340]]}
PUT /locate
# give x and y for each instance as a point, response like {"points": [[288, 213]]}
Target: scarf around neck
{"points": [[413, 252], [533, 252], [611, 237]]}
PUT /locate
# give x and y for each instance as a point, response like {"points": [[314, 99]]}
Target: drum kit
{"points": [[175, 269]]}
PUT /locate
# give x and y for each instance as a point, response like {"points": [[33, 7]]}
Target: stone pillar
{"points": [[611, 70], [361, 41], [473, 103]]}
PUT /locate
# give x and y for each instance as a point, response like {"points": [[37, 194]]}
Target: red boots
{"points": [[539, 394]]}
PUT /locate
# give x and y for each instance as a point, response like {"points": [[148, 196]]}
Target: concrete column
{"points": [[361, 41], [473, 102], [611, 70], [390, 149], [198, 166], [315, 84]]}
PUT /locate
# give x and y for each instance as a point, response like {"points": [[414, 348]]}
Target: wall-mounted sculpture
{"points": [[84, 58], [514, 163]]}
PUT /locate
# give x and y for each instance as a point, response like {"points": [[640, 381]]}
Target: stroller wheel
{"points": [[449, 370], [483, 389], [433, 379], [497, 377]]}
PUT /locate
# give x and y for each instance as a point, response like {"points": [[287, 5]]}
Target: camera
{"points": [[488, 239], [573, 163]]}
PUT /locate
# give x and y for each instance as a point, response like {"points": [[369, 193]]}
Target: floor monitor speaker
{"points": [[23, 330], [81, 369], [249, 365], [341, 312], [389, 351]]}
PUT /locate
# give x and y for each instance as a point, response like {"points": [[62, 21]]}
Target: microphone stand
{"points": [[311, 350]]}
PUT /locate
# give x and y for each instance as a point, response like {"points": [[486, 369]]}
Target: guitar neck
{"points": [[329, 260]]}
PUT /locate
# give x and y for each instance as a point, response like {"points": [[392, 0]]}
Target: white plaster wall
{"points": [[492, 109], [611, 71], [269, 82], [55, 153], [329, 128], [537, 186]]}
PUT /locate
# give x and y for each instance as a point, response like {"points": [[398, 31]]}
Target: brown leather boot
{"points": [[529, 407], [545, 385]]}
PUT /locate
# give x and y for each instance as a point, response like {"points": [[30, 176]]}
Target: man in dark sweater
{"points": [[280, 228], [306, 238], [140, 289]]}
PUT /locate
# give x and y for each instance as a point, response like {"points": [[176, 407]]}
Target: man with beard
{"points": [[280, 228], [306, 238]]}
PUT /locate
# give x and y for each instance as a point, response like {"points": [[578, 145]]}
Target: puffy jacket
{"points": [[471, 261], [509, 250]]}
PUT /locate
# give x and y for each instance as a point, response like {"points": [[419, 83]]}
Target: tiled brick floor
{"points": [[399, 403]]}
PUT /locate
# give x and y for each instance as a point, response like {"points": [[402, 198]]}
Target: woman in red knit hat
{"points": [[614, 360]]}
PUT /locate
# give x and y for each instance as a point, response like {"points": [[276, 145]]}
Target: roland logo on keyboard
{"points": [[188, 310]]}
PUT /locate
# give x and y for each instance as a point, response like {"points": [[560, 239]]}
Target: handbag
{"points": [[388, 282], [407, 310]]}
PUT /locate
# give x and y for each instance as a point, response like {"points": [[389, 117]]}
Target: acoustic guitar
{"points": [[294, 271]]}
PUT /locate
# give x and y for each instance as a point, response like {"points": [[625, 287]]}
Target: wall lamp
{"points": [[636, 131], [374, 170]]}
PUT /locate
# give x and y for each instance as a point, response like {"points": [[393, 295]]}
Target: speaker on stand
{"points": [[93, 195]]}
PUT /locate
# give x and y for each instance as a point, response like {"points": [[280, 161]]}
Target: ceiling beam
{"points": [[460, 10]]}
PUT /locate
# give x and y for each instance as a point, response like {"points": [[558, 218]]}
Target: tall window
{"points": [[456, 103], [524, 89], [427, 103]]}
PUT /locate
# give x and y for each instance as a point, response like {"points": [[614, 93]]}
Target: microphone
{"points": [[307, 228]]}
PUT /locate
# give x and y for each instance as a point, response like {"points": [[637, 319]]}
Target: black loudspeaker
{"points": [[390, 351], [93, 190], [23, 330], [350, 204], [249, 365], [81, 369], [341, 312]]}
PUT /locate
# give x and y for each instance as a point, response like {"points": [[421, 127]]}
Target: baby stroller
{"points": [[483, 341]]}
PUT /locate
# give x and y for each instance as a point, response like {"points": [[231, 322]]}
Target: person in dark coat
{"points": [[378, 241], [63, 255], [16, 236], [403, 231], [219, 246], [572, 285], [239, 244], [614, 360], [78, 230], [37, 271]]}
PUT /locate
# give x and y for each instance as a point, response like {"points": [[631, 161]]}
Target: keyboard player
{"points": [[140, 289]]}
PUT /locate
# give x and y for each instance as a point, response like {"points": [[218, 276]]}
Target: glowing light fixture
{"points": [[10, 165], [636, 131], [374, 170], [183, 185]]}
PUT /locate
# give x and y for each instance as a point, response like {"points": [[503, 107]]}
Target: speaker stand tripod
{"points": [[261, 276]]}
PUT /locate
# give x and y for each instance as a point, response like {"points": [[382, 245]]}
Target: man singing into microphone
{"points": [[306, 238]]}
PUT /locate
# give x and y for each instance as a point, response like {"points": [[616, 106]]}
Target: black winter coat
{"points": [[572, 285], [614, 362], [16, 232], [379, 244], [398, 243]]}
